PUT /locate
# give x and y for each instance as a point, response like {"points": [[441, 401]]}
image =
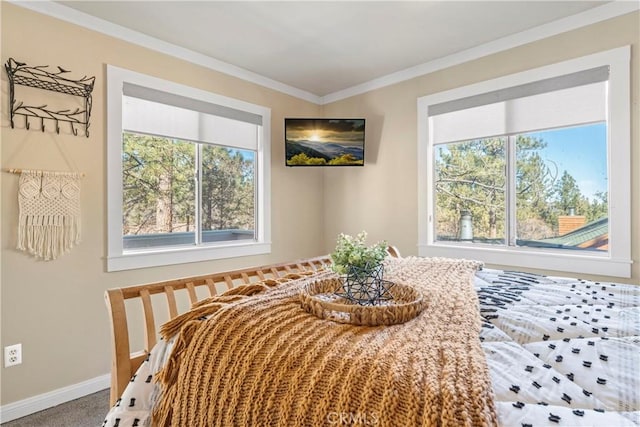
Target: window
{"points": [[531, 170], [188, 174]]}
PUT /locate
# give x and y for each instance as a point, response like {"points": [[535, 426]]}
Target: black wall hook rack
{"points": [[38, 77]]}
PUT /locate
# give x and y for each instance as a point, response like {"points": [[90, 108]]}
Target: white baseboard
{"points": [[37, 403]]}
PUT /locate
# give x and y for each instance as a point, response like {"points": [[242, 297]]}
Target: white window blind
{"points": [[154, 112], [568, 100]]}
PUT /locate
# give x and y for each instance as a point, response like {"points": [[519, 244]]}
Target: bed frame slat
{"points": [[191, 290], [149, 321], [229, 281], [171, 302], [212, 288]]}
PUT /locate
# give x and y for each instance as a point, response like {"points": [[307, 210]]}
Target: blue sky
{"points": [[581, 151]]}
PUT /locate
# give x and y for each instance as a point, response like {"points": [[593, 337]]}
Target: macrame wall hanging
{"points": [[49, 217]]}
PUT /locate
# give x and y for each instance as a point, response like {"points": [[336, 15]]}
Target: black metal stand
{"points": [[366, 286], [37, 77]]}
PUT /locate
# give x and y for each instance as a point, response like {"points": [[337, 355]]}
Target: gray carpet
{"points": [[88, 411]]}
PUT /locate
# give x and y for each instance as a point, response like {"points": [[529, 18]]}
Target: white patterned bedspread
{"points": [[561, 352]]}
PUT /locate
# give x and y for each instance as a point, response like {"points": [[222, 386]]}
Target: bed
{"points": [[558, 351]]}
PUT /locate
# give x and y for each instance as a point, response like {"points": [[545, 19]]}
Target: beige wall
{"points": [[56, 309], [382, 197]]}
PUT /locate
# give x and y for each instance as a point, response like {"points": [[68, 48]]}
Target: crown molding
{"points": [[59, 11], [591, 16]]}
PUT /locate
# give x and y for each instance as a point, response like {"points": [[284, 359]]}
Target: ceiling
{"points": [[326, 47]]}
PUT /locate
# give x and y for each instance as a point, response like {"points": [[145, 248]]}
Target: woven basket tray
{"points": [[319, 298]]}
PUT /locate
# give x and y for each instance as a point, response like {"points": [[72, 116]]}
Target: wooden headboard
{"points": [[124, 361]]}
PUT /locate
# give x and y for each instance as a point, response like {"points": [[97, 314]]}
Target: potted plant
{"points": [[361, 269]]}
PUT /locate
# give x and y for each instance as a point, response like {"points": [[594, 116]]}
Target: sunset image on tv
{"points": [[324, 142]]}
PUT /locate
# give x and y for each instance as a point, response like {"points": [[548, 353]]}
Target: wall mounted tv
{"points": [[324, 142]]}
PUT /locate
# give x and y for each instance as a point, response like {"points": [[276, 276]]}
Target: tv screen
{"points": [[324, 142]]}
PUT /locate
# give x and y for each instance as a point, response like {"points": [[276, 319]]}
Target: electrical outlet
{"points": [[12, 355]]}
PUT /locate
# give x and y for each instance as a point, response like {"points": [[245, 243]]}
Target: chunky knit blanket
{"points": [[259, 359]]}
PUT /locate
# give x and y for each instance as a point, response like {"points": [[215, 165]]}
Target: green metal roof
{"points": [[587, 232]]}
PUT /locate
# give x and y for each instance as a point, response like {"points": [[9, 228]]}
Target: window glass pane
{"points": [[228, 194], [470, 191], [561, 180], [158, 191]]}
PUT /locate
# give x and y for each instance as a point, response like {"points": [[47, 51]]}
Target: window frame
{"points": [[617, 262], [119, 258]]}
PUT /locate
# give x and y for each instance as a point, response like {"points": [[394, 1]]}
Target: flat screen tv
{"points": [[324, 142]]}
